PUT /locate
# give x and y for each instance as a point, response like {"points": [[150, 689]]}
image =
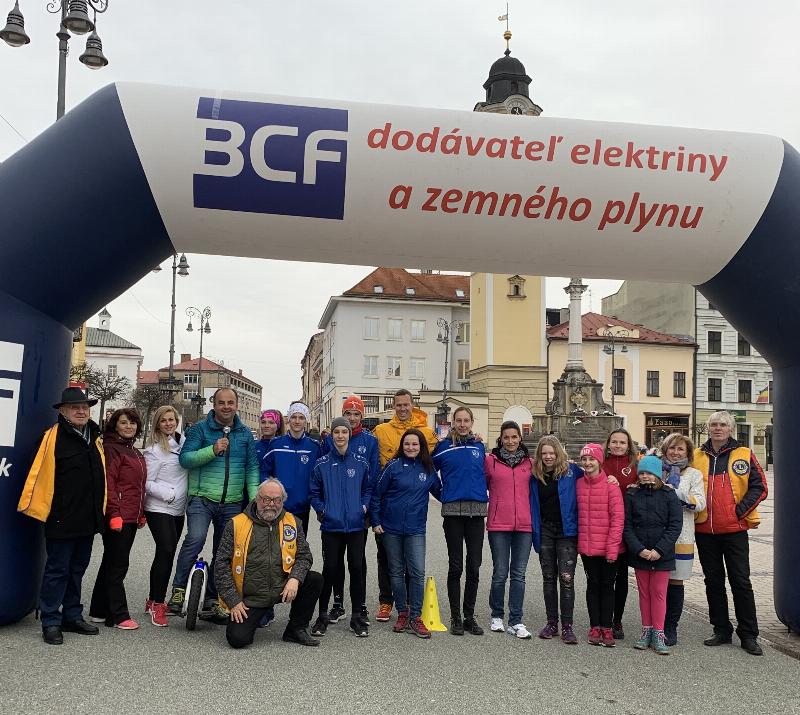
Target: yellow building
{"points": [[646, 375], [508, 346], [79, 346]]}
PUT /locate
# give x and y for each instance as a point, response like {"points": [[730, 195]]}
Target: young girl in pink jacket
{"points": [[601, 517]]}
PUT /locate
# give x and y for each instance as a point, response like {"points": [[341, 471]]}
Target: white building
{"points": [[381, 335], [112, 354]]}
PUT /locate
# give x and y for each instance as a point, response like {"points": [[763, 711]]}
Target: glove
{"points": [[141, 522], [115, 523]]}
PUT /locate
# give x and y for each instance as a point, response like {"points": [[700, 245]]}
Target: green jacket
{"points": [[207, 471]]}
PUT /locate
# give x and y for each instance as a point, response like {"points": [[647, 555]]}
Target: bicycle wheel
{"points": [[195, 594]]}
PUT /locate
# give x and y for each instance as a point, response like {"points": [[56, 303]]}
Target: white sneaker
{"points": [[497, 625], [519, 631], [95, 619]]}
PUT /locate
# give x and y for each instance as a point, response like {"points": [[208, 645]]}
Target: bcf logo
{"points": [[271, 158]]}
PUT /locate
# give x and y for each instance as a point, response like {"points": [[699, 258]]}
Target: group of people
{"points": [[614, 509]]}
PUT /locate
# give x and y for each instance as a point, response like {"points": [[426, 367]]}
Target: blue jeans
{"points": [[516, 547], [406, 555], [200, 514], [67, 560]]}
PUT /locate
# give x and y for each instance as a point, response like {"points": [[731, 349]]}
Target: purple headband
{"points": [[274, 415]]}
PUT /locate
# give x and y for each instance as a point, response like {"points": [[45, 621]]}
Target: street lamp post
{"points": [[614, 333], [445, 328], [205, 327], [179, 268], [74, 19]]}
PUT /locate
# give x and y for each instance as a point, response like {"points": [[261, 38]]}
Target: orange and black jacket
{"points": [[735, 485]]}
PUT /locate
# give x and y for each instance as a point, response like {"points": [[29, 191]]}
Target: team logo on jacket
{"points": [[289, 532], [304, 458], [362, 449], [422, 476], [268, 158], [351, 472], [475, 453], [238, 570], [740, 467]]}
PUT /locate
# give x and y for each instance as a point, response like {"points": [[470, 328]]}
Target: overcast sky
{"points": [[716, 64]]}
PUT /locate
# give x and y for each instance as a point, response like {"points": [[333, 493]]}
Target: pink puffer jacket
{"points": [[509, 495], [601, 516]]}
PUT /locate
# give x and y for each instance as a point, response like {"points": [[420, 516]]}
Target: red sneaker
{"points": [[595, 636], [158, 614], [608, 638], [148, 604], [418, 628], [402, 622], [384, 612]]}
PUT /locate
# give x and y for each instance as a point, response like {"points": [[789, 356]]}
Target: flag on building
{"points": [[502, 18], [763, 396]]}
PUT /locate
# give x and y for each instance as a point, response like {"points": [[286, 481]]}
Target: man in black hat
{"points": [[66, 489]]}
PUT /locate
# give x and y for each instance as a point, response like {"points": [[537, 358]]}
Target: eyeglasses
{"points": [[269, 500]]}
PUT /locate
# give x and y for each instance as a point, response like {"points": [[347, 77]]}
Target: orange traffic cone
{"points": [[430, 607]]}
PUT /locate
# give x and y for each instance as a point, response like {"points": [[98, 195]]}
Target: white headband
{"points": [[296, 407]]}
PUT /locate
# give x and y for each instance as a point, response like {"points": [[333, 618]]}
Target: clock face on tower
{"points": [[515, 106]]}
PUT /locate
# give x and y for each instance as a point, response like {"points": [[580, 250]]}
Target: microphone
{"points": [[225, 432]]}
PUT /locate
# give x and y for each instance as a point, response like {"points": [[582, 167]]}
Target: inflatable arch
{"points": [[137, 172]]}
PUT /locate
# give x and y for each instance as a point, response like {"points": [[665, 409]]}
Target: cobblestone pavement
{"points": [[761, 570]]}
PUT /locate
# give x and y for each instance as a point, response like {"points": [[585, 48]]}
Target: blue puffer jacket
{"points": [[363, 444], [207, 471], [291, 461], [461, 467], [340, 491], [400, 499], [567, 501], [262, 447]]}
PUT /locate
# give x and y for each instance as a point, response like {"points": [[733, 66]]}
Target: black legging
{"points": [[166, 530], [108, 597], [458, 531], [334, 546], [620, 587]]}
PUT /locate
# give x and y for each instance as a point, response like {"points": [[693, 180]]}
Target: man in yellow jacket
{"points": [[389, 434]]}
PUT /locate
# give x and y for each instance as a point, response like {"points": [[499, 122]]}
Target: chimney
{"points": [[185, 357], [240, 371]]}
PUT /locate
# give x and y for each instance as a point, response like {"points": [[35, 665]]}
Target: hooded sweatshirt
{"points": [[390, 433]]}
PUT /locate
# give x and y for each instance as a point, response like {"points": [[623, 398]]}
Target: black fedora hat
{"points": [[74, 396]]}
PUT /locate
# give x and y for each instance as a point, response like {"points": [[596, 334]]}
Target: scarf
{"points": [[512, 459], [672, 471]]}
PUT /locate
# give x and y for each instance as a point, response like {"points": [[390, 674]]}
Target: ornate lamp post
{"points": [[614, 333], [445, 328], [205, 327], [179, 268], [74, 19]]}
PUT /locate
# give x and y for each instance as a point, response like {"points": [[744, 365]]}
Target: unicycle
{"points": [[195, 592]]}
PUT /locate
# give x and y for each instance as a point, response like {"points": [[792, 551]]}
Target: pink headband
{"points": [[274, 415]]}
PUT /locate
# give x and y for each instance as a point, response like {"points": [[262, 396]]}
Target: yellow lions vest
{"points": [[738, 473], [243, 530], [36, 499]]}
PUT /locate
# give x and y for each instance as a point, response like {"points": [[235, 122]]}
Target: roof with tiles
{"points": [[594, 324], [148, 377], [208, 366], [399, 283], [98, 338]]}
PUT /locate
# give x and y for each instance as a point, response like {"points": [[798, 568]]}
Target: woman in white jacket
{"points": [[164, 505], [677, 451]]}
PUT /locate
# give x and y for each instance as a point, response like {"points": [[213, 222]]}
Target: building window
{"points": [[460, 293], [714, 342], [743, 434], [679, 384], [715, 389], [416, 368], [112, 370], [393, 366], [394, 329], [463, 369], [371, 328], [190, 379], [371, 403], [462, 336], [618, 381], [411, 291], [370, 366], [653, 379], [516, 287], [377, 289], [189, 394], [743, 347], [388, 403], [418, 330], [745, 390]]}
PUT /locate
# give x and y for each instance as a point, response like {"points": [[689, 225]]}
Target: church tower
{"points": [[508, 342]]}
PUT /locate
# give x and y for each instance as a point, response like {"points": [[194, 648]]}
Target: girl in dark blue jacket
{"points": [[459, 459], [340, 494], [399, 511]]}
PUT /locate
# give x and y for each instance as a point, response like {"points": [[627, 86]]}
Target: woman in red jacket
{"points": [[508, 476], [126, 474], [620, 462]]}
